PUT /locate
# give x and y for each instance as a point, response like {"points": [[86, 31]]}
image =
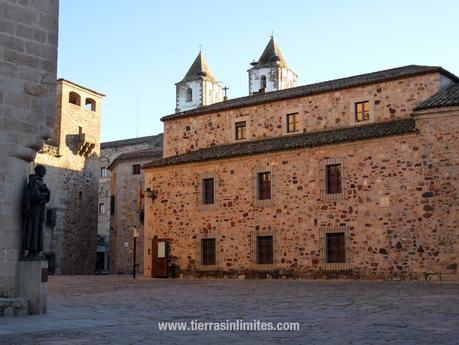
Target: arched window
{"points": [[262, 82], [90, 104], [74, 98], [189, 94]]}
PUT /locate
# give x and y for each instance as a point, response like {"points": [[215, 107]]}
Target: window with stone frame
{"points": [[265, 250], [335, 251], [136, 169], [335, 247], [362, 111], [240, 130], [208, 251], [208, 191], [264, 185], [102, 208], [332, 179], [293, 122]]}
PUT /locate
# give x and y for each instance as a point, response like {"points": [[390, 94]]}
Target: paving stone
{"points": [[119, 310]]}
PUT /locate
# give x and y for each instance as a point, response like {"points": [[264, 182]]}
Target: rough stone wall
{"points": [[389, 100], [108, 155], [73, 175], [126, 188], [28, 58], [400, 208]]}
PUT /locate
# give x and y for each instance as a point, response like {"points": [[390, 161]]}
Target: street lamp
{"points": [[135, 235]]}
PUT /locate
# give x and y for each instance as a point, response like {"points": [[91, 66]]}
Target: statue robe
{"points": [[37, 195]]}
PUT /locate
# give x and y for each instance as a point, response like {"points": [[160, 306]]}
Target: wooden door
{"points": [[159, 257]]}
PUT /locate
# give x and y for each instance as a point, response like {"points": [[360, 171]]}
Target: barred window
{"points": [[103, 172], [208, 191], [293, 123], [362, 111], [333, 178], [241, 130], [265, 250], [101, 208], [264, 185], [208, 252], [336, 249]]}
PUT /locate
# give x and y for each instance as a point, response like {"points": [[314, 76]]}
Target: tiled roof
{"points": [[154, 140], [271, 56], [311, 89], [199, 69], [291, 142], [153, 153], [445, 98]]}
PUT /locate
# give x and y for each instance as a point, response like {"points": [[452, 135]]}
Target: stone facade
{"points": [[28, 60], [71, 157], [388, 100], [397, 209], [109, 152], [127, 188]]}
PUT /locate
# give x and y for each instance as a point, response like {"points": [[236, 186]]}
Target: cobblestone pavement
{"points": [[117, 310]]}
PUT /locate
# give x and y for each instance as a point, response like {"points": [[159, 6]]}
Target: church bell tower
{"points": [[198, 88], [271, 72]]}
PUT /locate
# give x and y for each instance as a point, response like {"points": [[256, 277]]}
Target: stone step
{"points": [[14, 307]]}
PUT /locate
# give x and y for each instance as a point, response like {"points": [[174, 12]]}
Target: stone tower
{"points": [[71, 156], [271, 72], [199, 87]]}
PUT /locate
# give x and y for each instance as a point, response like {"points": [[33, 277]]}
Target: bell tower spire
{"points": [[199, 86], [271, 72]]}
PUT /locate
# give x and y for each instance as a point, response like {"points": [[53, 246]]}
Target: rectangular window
{"points": [[265, 250], [101, 208], [264, 186], [362, 111], [333, 179], [208, 251], [103, 172], [336, 248], [208, 191], [241, 130], [293, 123], [136, 169], [112, 205]]}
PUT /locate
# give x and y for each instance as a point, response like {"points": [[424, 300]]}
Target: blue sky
{"points": [[134, 51]]}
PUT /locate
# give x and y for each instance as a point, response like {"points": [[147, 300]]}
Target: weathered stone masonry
{"points": [[398, 211], [28, 60]]}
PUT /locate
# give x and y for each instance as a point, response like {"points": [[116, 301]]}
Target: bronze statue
{"points": [[37, 195]]}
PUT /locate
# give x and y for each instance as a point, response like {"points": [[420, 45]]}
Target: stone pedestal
{"points": [[33, 284]]}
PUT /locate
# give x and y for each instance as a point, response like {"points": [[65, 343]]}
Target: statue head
{"points": [[40, 170]]}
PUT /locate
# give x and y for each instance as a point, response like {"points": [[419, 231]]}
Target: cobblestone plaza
{"points": [[119, 310]]}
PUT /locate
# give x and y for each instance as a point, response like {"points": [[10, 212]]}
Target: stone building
{"points": [[356, 176], [127, 207], [71, 157], [109, 152], [28, 57]]}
